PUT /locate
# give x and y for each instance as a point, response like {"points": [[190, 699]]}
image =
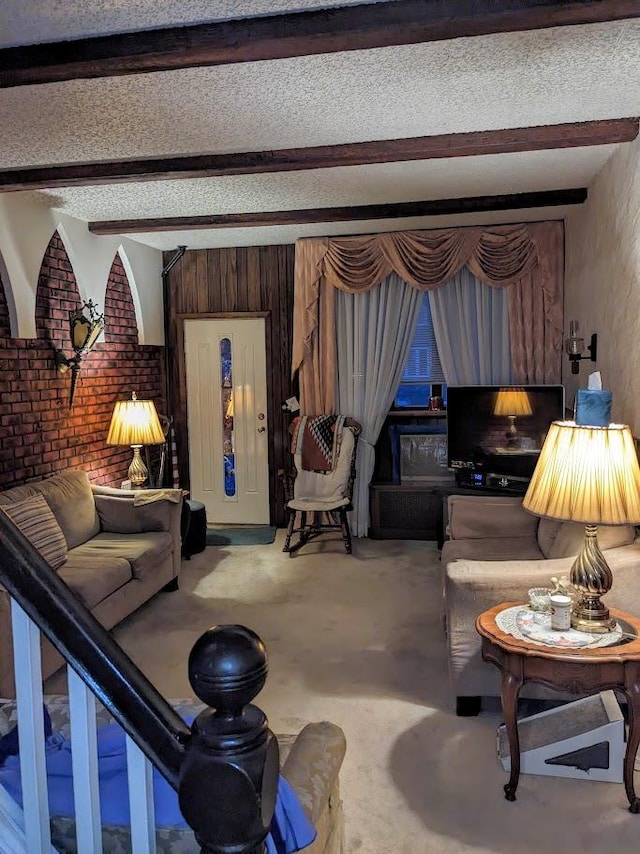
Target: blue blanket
{"points": [[291, 830]]}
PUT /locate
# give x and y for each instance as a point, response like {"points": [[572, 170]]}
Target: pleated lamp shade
{"points": [[135, 422], [586, 474], [512, 401]]}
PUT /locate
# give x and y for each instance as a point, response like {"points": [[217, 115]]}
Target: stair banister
{"points": [[225, 768], [123, 689], [232, 745]]}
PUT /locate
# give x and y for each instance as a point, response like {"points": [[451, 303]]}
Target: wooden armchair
{"points": [[317, 501]]}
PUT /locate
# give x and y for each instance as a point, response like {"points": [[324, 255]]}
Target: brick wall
{"points": [[39, 434]]}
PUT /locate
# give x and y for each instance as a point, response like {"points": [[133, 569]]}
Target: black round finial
{"points": [[229, 777], [228, 667]]}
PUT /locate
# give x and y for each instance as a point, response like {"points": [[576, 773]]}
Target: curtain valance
{"points": [[427, 259], [529, 254]]}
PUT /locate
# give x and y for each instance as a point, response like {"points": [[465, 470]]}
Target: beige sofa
{"points": [[496, 551], [111, 552]]}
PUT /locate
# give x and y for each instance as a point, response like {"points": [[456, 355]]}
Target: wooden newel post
{"points": [[229, 777]]}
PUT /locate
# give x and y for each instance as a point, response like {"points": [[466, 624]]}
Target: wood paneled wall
{"points": [[206, 282]]}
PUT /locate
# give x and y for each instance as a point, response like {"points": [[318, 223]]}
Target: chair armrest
{"points": [[478, 516], [313, 765]]}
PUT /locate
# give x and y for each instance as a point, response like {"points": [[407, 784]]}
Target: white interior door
{"points": [[227, 418]]}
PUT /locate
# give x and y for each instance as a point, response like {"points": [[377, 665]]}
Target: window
{"points": [[422, 376]]}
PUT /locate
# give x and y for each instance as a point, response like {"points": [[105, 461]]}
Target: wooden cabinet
{"points": [[415, 510], [410, 511]]}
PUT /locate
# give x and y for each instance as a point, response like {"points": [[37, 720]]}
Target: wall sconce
{"points": [[574, 345], [85, 325]]}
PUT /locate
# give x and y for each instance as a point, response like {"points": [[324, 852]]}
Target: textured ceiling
{"points": [[32, 21], [541, 77], [347, 185]]}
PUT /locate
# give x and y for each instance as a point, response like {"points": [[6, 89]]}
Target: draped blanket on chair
{"points": [[317, 440]]}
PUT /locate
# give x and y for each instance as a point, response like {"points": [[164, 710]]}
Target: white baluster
{"points": [[33, 771], [84, 760], [143, 820], [12, 835]]}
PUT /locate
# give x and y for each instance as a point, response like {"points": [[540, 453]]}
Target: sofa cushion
{"points": [[35, 519], [143, 551], [94, 579], [472, 516], [491, 548], [120, 515], [70, 497], [570, 538]]}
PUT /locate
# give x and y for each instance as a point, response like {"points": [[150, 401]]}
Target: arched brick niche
{"points": [[119, 311], [39, 434]]}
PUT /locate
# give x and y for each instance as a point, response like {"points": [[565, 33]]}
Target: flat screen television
{"points": [[495, 433]]}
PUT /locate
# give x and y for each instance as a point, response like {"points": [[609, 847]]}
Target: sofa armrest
{"points": [[313, 765], [485, 583], [119, 513], [478, 516], [474, 586]]}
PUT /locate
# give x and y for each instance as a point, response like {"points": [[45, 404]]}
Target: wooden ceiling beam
{"points": [[432, 207], [576, 134], [317, 31]]}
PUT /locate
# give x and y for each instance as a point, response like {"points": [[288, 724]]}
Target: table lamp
{"points": [[512, 402], [135, 422], [590, 475]]}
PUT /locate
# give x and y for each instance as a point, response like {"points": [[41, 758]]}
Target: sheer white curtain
{"points": [[374, 331], [471, 327]]}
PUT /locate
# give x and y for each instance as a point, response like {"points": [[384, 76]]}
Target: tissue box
{"points": [[593, 407]]}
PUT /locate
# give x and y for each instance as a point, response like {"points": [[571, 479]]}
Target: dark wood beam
{"points": [[433, 207], [576, 134], [294, 34]]}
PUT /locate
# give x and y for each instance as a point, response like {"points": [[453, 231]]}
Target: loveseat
{"points": [[495, 553], [112, 551]]}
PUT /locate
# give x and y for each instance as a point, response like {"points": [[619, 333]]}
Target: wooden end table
{"points": [[576, 671]]}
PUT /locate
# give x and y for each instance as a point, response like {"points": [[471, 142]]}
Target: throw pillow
{"points": [[570, 538], [35, 519], [547, 532], [473, 516], [120, 516]]}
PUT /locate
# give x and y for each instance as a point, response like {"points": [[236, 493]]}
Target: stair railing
{"points": [[224, 767]]}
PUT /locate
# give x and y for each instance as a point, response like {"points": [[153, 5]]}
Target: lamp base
{"points": [[138, 472], [512, 433], [595, 622], [591, 576]]}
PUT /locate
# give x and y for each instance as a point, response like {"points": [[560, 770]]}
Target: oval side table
{"points": [[575, 671]]}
